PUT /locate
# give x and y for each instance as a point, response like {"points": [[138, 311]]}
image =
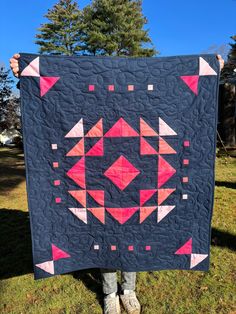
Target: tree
{"points": [[61, 34], [228, 98], [229, 71], [5, 85], [116, 27], [9, 104]]}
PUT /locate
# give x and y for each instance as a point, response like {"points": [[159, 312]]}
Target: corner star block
{"points": [[47, 266], [205, 68], [32, 68], [186, 248], [46, 83], [196, 259], [58, 253]]}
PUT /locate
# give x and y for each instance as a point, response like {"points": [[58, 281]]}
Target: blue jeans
{"points": [[109, 280]]}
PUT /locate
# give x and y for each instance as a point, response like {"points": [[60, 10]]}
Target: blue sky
{"points": [[176, 27]]}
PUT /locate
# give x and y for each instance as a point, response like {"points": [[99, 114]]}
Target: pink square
{"points": [[113, 247], [96, 247], [55, 164], [91, 88], [57, 182], [185, 179], [148, 248], [130, 88], [186, 144], [186, 161], [54, 146], [130, 248], [111, 88], [58, 200]]}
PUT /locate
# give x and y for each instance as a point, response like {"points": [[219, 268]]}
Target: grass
{"points": [[161, 292]]}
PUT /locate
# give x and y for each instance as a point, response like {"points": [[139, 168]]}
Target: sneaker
{"points": [[112, 304], [131, 303]]}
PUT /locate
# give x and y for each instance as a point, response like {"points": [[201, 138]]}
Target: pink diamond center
{"points": [[121, 172]]}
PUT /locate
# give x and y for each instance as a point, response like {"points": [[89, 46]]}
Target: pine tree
{"points": [[9, 104], [116, 27], [229, 70], [228, 98], [5, 85], [61, 35]]}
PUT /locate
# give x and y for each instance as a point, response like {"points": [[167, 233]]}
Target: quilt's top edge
{"points": [[120, 57]]}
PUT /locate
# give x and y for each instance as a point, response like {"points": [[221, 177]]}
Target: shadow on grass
{"points": [[229, 185], [12, 168], [16, 252], [92, 281]]}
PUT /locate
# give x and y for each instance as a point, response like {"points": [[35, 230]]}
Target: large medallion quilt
{"points": [[119, 157]]}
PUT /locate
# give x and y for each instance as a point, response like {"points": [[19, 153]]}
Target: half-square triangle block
{"points": [[97, 195], [146, 148], [146, 130], [165, 148], [145, 195], [191, 81], [77, 130], [77, 173], [121, 129], [99, 213], [163, 211], [78, 149], [122, 214], [165, 129], [205, 68], [96, 130], [80, 196], [97, 149], [80, 213], [145, 212], [58, 253], [46, 83], [163, 194], [121, 172], [165, 171], [186, 248], [32, 68]]}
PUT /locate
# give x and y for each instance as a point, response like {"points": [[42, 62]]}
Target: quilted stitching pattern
{"points": [[79, 116]]}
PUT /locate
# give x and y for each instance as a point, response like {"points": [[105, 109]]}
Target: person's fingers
{"points": [[16, 69], [16, 56], [13, 61]]}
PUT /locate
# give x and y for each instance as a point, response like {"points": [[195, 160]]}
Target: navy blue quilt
{"points": [[119, 157]]}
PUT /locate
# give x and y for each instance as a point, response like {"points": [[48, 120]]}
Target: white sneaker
{"points": [[131, 303], [112, 304]]}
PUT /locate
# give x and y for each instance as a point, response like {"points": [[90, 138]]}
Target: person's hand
{"points": [[14, 64], [221, 61]]}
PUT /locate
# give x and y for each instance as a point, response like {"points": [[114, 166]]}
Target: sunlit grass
{"points": [[161, 292]]}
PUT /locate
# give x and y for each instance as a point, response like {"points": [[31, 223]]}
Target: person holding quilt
{"points": [[109, 277]]}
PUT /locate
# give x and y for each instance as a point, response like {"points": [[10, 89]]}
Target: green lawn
{"points": [[161, 292]]}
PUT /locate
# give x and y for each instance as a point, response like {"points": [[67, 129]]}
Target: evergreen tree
{"points": [[61, 34], [229, 70], [5, 85], [116, 27], [9, 104]]}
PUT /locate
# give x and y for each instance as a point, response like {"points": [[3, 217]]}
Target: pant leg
{"points": [[128, 280], [109, 281]]}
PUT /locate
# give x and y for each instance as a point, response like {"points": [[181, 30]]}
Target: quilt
{"points": [[120, 157]]}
